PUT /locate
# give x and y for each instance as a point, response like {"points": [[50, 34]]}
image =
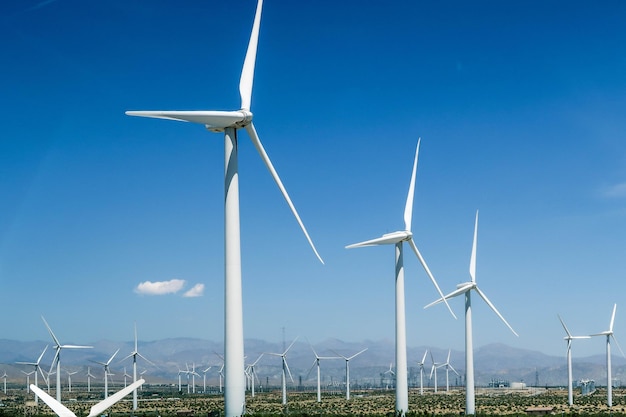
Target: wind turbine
{"points": [[316, 362], [134, 355], [447, 365], [57, 356], [397, 239], [466, 288], [609, 334], [434, 368], [347, 359], [285, 370], [107, 373], [569, 338], [69, 379], [421, 365], [4, 376], [89, 376], [28, 374], [391, 373], [204, 380], [37, 368], [229, 122], [96, 410], [253, 374], [125, 377]]}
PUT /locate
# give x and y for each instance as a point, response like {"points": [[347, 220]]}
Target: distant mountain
{"points": [[171, 356]]}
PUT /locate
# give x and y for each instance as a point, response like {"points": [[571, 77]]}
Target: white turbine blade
{"points": [[259, 147], [448, 359], [408, 208], [613, 318], [472, 267], [56, 341], [104, 404], [110, 359], [288, 371], [54, 359], [495, 310], [569, 335], [386, 239], [294, 341], [430, 275], [356, 354], [247, 73], [41, 356], [209, 118], [453, 294], [453, 370], [618, 346], [424, 358], [57, 407], [76, 347], [146, 359]]}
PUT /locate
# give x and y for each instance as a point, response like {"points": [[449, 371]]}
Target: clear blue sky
{"points": [[520, 106]]}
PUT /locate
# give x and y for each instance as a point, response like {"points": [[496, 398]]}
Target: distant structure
{"points": [[587, 386], [499, 383]]}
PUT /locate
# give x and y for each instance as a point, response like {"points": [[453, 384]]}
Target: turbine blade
{"points": [[453, 294], [453, 370], [56, 341], [211, 119], [294, 341], [495, 310], [356, 354], [472, 267], [57, 407], [569, 335], [103, 405], [613, 317], [408, 208], [259, 147], [287, 367], [618, 346], [386, 239], [247, 73], [430, 275], [424, 358], [41, 356], [110, 359]]}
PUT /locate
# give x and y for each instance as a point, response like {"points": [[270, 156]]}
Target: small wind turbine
{"points": [[391, 373], [96, 410], [568, 339], [107, 373], [203, 377], [253, 375], [316, 362], [397, 239], [421, 365], [447, 365], [89, 376], [4, 376], [609, 334], [125, 376], [434, 369], [37, 368], [285, 370], [28, 374], [69, 379], [229, 122], [466, 288], [57, 356], [347, 359], [134, 355]]}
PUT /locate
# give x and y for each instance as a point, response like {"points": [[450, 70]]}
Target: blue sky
{"points": [[520, 107]]}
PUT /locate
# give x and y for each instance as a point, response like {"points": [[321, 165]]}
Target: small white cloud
{"points": [[615, 191], [196, 291], [160, 287]]}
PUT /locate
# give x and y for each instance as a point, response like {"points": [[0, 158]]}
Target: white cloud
{"points": [[615, 191], [196, 291], [160, 287]]}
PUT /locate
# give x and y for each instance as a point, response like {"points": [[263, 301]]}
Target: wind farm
{"points": [[107, 219]]}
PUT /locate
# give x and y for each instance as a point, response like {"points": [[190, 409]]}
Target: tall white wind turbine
{"points": [[4, 376], [421, 365], [253, 376], [37, 368], [134, 355], [609, 334], [466, 288], [397, 239], [229, 122], [285, 370], [57, 356], [348, 359], [568, 338], [316, 363], [107, 373], [96, 410], [447, 366]]}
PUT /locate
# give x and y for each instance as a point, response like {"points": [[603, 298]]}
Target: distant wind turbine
{"points": [[568, 339], [421, 365], [134, 355], [285, 370], [57, 356], [447, 366], [316, 362], [348, 359], [203, 378], [434, 368], [229, 122], [253, 375], [37, 369], [107, 373], [28, 374], [89, 376], [96, 410], [4, 376], [397, 239], [466, 288], [609, 334]]}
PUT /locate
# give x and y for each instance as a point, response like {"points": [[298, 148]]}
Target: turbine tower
{"points": [[569, 338], [57, 356], [37, 369], [134, 355], [397, 239], [609, 334], [347, 359], [466, 288], [285, 370], [229, 122], [316, 362], [107, 373]]}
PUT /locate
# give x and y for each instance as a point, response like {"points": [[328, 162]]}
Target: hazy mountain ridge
{"points": [[170, 356]]}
